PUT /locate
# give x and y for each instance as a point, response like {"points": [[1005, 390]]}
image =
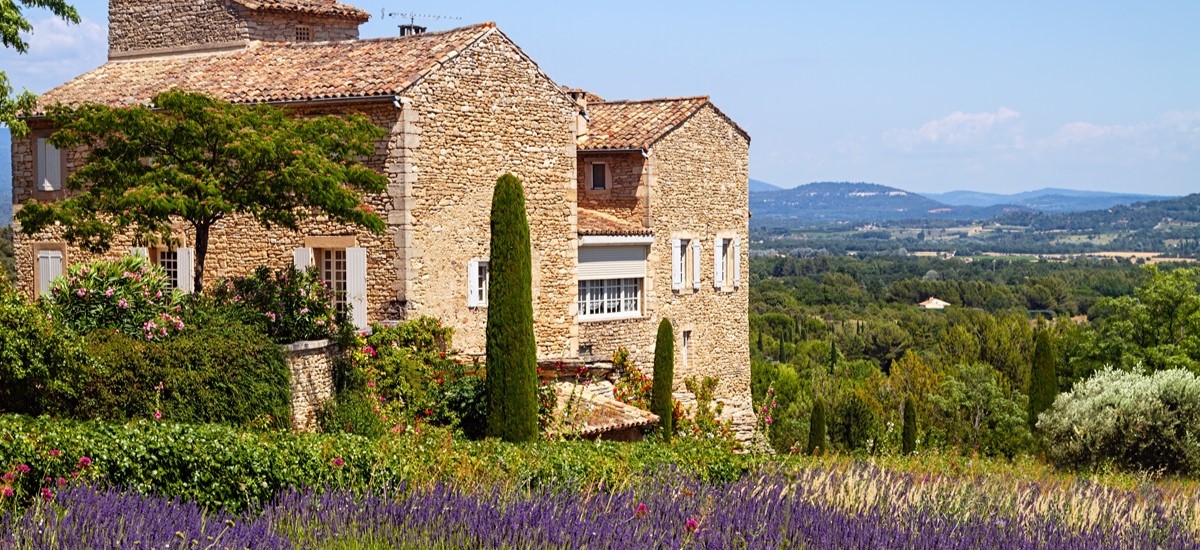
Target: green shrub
{"points": [[223, 372], [816, 429], [512, 378], [222, 466], [352, 412], [290, 305], [40, 364], [1129, 420], [908, 440], [661, 401], [130, 295]]}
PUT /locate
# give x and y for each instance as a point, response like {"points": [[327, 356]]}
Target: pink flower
{"points": [[369, 350], [271, 314], [338, 462], [303, 311], [81, 292], [47, 479], [108, 293], [62, 481], [178, 325], [640, 511], [8, 476], [55, 453], [320, 322], [158, 294], [23, 469], [157, 414], [692, 525], [47, 493], [84, 462], [122, 304], [370, 384], [769, 420], [8, 492]]}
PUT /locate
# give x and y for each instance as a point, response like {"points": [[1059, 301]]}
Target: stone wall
{"points": [[275, 27], [485, 113], [698, 189], [238, 244], [627, 191], [311, 364]]}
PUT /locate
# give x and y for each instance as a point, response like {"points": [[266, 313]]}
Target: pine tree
{"points": [[661, 401], [1043, 384], [816, 429], [512, 379], [909, 431]]}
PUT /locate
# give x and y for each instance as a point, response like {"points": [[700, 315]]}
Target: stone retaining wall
{"points": [[311, 364]]}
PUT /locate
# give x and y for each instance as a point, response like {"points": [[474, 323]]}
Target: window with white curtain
{"points": [[610, 298]]}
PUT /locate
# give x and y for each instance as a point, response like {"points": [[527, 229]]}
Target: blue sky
{"points": [[926, 96]]}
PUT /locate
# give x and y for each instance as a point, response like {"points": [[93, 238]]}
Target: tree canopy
{"points": [[12, 24], [194, 158]]}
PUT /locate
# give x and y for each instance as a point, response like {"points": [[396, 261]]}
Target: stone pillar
{"points": [[311, 363]]}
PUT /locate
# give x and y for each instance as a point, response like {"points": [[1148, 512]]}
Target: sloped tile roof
{"points": [[591, 413], [592, 222], [269, 72], [636, 124], [315, 7]]}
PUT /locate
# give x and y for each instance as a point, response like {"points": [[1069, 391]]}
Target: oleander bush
{"points": [[288, 304], [1128, 420], [130, 295]]}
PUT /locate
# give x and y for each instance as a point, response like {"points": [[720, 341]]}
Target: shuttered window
{"points": [[50, 266], [49, 166], [477, 283]]}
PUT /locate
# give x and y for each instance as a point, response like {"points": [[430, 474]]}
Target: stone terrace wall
{"points": [[153, 24], [485, 113], [626, 195], [238, 245], [311, 364]]}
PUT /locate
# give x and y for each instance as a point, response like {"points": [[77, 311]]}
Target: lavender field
{"points": [[858, 506]]}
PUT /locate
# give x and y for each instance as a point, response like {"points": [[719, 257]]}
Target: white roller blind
{"points": [[737, 262], [676, 264], [718, 262], [473, 283], [49, 266], [302, 258], [611, 262], [696, 264], [356, 285], [186, 258], [49, 166]]}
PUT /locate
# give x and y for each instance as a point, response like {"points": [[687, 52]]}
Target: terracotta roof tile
{"points": [[266, 72], [636, 124], [592, 222], [316, 7], [592, 413]]}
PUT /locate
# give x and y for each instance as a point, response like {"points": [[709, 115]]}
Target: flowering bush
{"points": [[130, 295], [291, 305], [39, 363]]}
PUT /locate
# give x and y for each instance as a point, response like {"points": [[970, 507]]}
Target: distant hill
{"points": [[1179, 215], [1045, 200], [5, 178], [832, 202], [760, 186]]}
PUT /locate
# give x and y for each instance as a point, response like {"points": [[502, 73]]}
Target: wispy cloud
{"points": [[58, 52], [960, 129], [1173, 136]]}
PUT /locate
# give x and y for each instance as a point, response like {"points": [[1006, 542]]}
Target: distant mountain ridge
{"points": [[832, 202], [1049, 199], [758, 186]]}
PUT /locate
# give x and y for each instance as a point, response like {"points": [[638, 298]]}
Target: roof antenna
{"points": [[412, 27]]}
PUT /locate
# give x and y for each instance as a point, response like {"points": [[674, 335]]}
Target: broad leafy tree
{"points": [[200, 160], [12, 24]]}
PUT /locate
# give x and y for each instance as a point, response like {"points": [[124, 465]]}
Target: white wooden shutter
{"points": [[49, 166], [696, 264], [718, 263], [473, 283], [186, 264], [140, 251], [611, 262], [356, 285], [737, 262], [49, 267], [676, 264], [302, 258]]}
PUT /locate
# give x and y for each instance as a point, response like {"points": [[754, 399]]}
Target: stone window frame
{"points": [[589, 176], [37, 247], [691, 256], [37, 191]]}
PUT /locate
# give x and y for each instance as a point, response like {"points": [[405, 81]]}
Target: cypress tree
{"points": [[832, 355], [760, 346], [816, 428], [1043, 384], [661, 401], [909, 431], [512, 380], [780, 354]]}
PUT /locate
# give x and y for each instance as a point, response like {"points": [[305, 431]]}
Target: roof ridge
{"points": [[653, 100], [412, 37]]}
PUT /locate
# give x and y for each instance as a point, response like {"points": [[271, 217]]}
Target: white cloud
{"points": [[58, 52], [1173, 136], [962, 129]]}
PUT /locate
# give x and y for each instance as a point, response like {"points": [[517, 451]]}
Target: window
{"points": [[685, 340], [332, 265], [49, 166], [599, 176], [168, 260], [610, 298], [49, 265], [303, 33], [685, 263], [477, 283]]}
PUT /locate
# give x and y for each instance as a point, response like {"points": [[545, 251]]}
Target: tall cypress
{"points": [[908, 442], [661, 401], [512, 380], [816, 428], [832, 355], [1043, 384]]}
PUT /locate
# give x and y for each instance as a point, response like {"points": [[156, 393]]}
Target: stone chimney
{"points": [[581, 119]]}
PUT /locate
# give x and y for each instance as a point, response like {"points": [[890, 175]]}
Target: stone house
{"points": [[638, 209]]}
